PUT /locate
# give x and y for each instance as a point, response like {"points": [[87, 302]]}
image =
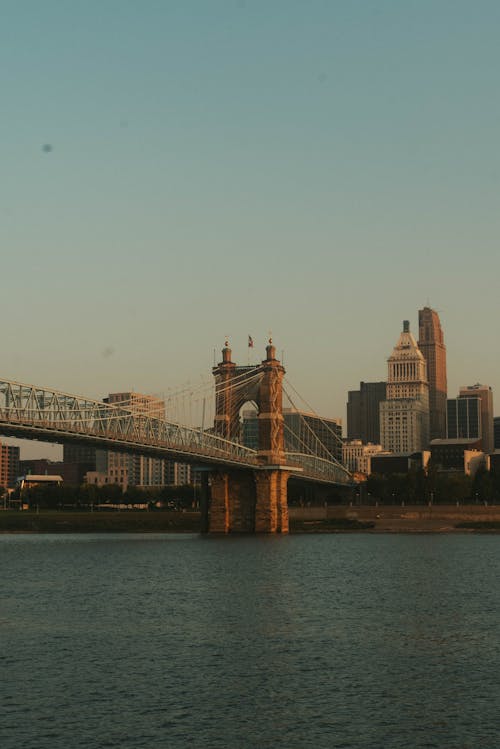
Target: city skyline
{"points": [[34, 449]]}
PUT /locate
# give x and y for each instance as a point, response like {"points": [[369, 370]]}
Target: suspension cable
{"points": [[309, 428], [325, 423]]}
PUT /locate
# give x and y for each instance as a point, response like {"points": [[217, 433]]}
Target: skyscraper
{"points": [[464, 418], [404, 416], [79, 454], [128, 469], [431, 344], [363, 411], [485, 393], [496, 431], [302, 428], [9, 465], [354, 415]]}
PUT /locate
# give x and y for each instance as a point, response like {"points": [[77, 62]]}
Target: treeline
{"points": [[421, 487], [87, 495]]}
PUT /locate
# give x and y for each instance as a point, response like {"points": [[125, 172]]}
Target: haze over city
{"points": [[179, 173]]}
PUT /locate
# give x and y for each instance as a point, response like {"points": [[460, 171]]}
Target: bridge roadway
{"points": [[31, 412]]}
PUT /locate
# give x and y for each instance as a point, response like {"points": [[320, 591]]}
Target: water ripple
{"points": [[313, 641]]}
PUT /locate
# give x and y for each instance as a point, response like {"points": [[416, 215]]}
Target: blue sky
{"points": [[318, 169]]}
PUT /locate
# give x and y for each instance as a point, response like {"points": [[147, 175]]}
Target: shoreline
{"points": [[311, 520], [406, 519]]}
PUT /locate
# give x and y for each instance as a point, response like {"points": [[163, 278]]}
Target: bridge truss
{"points": [[32, 412]]}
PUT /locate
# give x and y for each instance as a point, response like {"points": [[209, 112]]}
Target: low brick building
{"points": [[450, 453]]}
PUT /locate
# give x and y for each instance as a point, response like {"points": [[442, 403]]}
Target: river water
{"points": [[314, 641]]}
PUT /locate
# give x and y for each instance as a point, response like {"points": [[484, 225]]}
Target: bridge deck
{"points": [[31, 412]]}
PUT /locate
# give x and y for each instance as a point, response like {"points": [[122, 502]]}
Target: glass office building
{"points": [[464, 418]]}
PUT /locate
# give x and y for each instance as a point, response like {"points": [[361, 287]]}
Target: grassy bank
{"points": [[99, 522], [145, 522], [189, 522]]}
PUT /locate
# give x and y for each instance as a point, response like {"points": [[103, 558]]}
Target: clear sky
{"points": [[175, 172]]}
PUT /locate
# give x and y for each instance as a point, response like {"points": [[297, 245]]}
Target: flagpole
{"points": [[250, 345]]}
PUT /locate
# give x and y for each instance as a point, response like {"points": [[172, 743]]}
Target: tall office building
{"points": [[79, 454], [178, 474], [496, 432], [404, 416], [302, 430], [148, 405], [464, 418], [431, 344], [127, 469], [363, 412], [485, 393], [78, 460], [323, 435], [9, 465], [354, 415]]}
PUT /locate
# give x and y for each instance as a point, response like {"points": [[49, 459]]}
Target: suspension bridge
{"points": [[248, 486]]}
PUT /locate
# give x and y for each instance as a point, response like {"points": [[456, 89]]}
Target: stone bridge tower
{"points": [[251, 500]]}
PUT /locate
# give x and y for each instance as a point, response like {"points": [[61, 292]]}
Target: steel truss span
{"points": [[31, 412]]}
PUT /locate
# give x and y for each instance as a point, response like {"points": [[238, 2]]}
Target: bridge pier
{"points": [[271, 507], [244, 502], [204, 503], [232, 504]]}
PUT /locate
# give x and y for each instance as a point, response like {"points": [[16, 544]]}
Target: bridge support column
{"points": [[271, 507], [219, 504], [232, 506], [204, 509]]}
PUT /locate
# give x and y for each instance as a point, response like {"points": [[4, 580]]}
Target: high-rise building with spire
{"points": [[404, 415], [431, 344]]}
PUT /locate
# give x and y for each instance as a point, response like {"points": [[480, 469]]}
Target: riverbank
{"points": [[129, 521], [401, 519], [338, 519]]}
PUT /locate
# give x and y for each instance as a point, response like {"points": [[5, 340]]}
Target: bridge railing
{"points": [[61, 413], [320, 468]]}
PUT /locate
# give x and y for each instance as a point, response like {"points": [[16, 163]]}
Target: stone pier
{"points": [[271, 506], [249, 502]]}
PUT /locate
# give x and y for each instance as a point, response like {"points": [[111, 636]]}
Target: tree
{"points": [[482, 485], [87, 494]]}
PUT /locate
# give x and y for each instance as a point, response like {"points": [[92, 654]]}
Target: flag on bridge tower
{"points": [[250, 341]]}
